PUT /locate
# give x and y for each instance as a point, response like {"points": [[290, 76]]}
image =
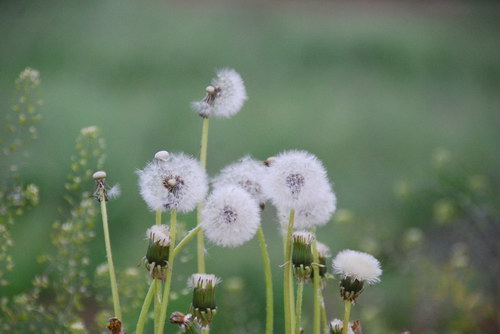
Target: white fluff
{"points": [[357, 265], [225, 97], [159, 234], [337, 325], [178, 183], [246, 173], [230, 216], [323, 250], [202, 281], [298, 179], [303, 237]]}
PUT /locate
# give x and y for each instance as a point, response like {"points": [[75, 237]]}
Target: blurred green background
{"points": [[372, 89]]}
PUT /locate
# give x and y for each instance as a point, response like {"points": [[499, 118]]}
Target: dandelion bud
{"points": [[323, 254], [185, 322], [204, 307], [337, 325], [114, 326], [355, 269], [225, 96], [302, 255], [158, 250]]}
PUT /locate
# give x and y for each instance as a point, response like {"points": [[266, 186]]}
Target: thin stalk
{"points": [[205, 331], [158, 217], [300, 292], [109, 255], [316, 290], [269, 281], [168, 279], [324, 319], [145, 307], [287, 280], [157, 303], [203, 163], [186, 239], [347, 314]]}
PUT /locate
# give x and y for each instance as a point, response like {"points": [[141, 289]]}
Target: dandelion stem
{"points": [[269, 282], [158, 217], [300, 292], [205, 331], [324, 319], [317, 290], [168, 279], [145, 307], [346, 316], [157, 284], [109, 255], [287, 281], [186, 239], [203, 162]]}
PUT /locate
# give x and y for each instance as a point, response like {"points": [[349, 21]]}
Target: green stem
{"points": [[203, 163], [300, 292], [157, 303], [287, 280], [168, 279], [269, 281], [346, 316], [324, 319], [158, 217], [109, 255], [316, 290], [186, 239], [145, 307], [205, 331]]}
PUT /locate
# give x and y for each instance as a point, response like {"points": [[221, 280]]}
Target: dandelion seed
{"points": [[173, 181], [230, 216], [224, 97]]}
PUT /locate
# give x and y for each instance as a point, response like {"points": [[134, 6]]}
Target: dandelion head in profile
{"points": [[203, 304], [246, 173], [355, 269], [302, 255], [296, 178], [336, 326], [102, 191], [224, 97], [323, 254], [230, 216], [156, 258], [172, 181]]}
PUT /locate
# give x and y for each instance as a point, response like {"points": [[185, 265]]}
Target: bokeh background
{"points": [[399, 100]]}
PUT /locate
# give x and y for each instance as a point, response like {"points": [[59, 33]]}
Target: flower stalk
{"points": [[203, 163], [145, 308], [269, 282], [287, 281], [300, 292], [317, 290], [347, 314]]}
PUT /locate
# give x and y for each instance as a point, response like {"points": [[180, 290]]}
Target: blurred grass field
{"points": [[372, 91]]}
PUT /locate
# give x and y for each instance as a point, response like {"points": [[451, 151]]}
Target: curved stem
{"points": [[109, 255], [316, 290], [203, 163], [287, 280], [145, 307], [168, 279], [269, 281], [300, 292], [186, 239], [346, 316]]}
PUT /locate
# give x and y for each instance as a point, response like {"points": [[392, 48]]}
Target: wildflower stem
{"points": [[145, 307], [168, 279], [300, 292], [346, 316], [157, 303], [205, 330], [203, 162], [109, 255], [158, 217], [269, 282], [317, 290], [324, 319], [186, 239], [287, 281]]}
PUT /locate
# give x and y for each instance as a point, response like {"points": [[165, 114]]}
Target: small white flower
{"points": [[246, 173], [90, 131], [336, 326], [202, 281], [357, 265], [159, 234], [230, 216], [297, 178], [225, 97], [178, 183], [30, 75]]}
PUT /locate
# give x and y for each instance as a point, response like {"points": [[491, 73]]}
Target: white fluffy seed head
{"points": [[323, 250], [176, 183], [298, 179], [159, 234], [246, 173], [230, 216], [336, 326], [201, 281], [225, 96], [357, 265]]}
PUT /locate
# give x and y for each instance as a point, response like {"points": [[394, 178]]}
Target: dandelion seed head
{"points": [[159, 234], [357, 265], [230, 216], [225, 96], [202, 281], [323, 250], [178, 183], [246, 173]]}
